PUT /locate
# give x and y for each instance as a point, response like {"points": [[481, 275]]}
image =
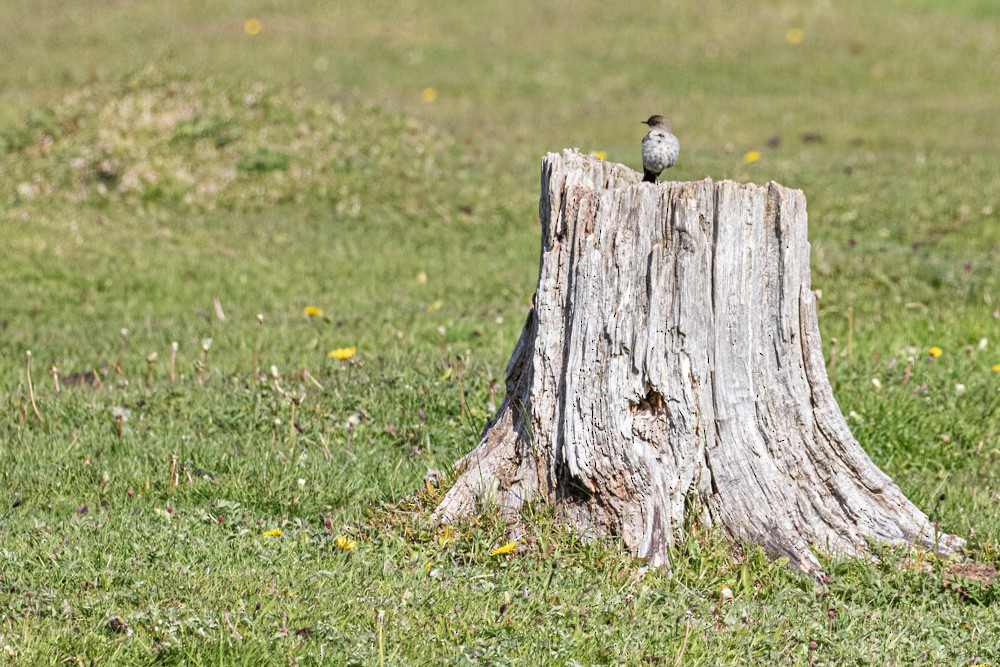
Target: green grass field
{"points": [[377, 163]]}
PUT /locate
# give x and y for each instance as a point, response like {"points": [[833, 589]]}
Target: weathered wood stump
{"points": [[672, 364]]}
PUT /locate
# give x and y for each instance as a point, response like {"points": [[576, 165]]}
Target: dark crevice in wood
{"points": [[652, 403]]}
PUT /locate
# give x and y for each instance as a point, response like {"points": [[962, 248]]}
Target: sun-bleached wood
{"points": [[671, 364]]}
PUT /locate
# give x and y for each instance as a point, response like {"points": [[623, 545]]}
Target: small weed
{"points": [[264, 159]]}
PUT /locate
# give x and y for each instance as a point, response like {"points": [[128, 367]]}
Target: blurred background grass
{"points": [[899, 103]]}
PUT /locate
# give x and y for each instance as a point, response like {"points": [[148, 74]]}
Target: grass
{"points": [[151, 162]]}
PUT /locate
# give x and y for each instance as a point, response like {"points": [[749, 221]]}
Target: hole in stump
{"points": [[651, 403]]}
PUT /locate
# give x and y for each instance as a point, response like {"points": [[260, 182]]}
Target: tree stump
{"points": [[671, 364]]}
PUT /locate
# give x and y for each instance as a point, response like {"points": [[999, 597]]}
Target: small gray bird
{"points": [[660, 148]]}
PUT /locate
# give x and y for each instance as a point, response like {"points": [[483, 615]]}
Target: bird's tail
{"points": [[648, 176]]}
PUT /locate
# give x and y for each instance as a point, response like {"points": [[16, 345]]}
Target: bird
{"points": [[660, 148]]}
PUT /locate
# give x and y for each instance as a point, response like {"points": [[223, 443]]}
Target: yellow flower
{"points": [[429, 94], [505, 549], [312, 311], [343, 353], [996, 368], [751, 156], [445, 535], [252, 27], [272, 533], [601, 155], [345, 544], [794, 36], [935, 351]]}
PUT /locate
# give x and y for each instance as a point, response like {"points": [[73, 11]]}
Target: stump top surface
{"points": [[589, 170]]}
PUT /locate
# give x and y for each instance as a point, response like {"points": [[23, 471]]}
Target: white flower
{"points": [[302, 483], [982, 344], [25, 190], [206, 344], [876, 384], [959, 388]]}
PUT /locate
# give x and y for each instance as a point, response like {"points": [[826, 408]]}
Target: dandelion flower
{"points": [[312, 311], [935, 351], [795, 36], [446, 535], [429, 94], [345, 544], [505, 549], [996, 368], [272, 533], [252, 27], [343, 353], [119, 412], [751, 156], [600, 155]]}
